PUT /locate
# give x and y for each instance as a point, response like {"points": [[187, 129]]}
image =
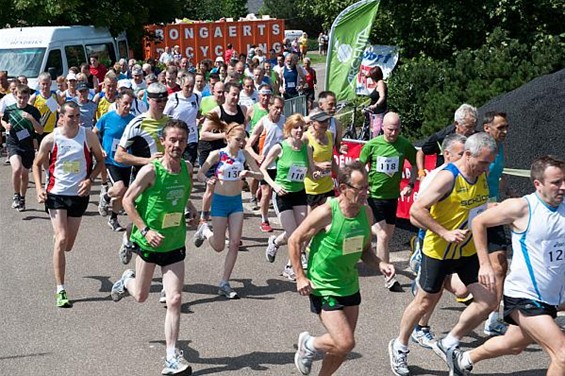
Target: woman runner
{"points": [[227, 205]]}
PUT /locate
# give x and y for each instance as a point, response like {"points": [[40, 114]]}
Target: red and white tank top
{"points": [[70, 163]]}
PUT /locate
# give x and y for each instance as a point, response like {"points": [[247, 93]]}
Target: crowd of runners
{"points": [[148, 137]]}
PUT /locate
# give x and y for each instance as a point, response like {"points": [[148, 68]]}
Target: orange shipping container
{"points": [[202, 40]]}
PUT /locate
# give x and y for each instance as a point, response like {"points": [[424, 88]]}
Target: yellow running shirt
{"points": [[48, 109], [320, 153], [456, 211]]}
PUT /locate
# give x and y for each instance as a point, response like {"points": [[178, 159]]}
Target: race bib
{"points": [[553, 252], [115, 143], [474, 212], [291, 85], [172, 220], [231, 172], [296, 173], [353, 244], [23, 134], [387, 165], [192, 134], [71, 167]]}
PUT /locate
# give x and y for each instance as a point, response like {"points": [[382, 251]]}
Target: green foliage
{"points": [[117, 15], [427, 92], [213, 10]]}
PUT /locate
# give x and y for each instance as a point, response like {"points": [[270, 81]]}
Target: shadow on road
{"points": [[24, 356], [256, 360]]}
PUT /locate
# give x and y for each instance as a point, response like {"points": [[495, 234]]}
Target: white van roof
{"points": [[41, 36]]}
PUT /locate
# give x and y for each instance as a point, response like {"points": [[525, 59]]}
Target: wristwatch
{"points": [[145, 231]]}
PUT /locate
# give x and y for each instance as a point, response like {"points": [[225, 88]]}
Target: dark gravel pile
{"points": [[536, 113]]}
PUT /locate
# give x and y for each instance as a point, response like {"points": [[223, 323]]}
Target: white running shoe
{"points": [[272, 248], [226, 290], [177, 365], [303, 357]]}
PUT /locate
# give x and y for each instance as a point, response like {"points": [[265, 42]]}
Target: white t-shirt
{"points": [[185, 109], [137, 107], [248, 100]]}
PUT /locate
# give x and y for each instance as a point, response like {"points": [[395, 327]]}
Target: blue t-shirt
{"points": [[496, 169], [111, 128]]}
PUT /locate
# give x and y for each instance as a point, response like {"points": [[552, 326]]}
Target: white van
{"points": [[292, 34], [29, 51]]}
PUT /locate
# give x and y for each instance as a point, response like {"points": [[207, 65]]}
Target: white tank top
{"points": [[70, 163], [538, 264], [228, 167], [273, 135]]}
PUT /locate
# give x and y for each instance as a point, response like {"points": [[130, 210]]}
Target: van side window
{"points": [[123, 49], [75, 55], [55, 60], [105, 52]]}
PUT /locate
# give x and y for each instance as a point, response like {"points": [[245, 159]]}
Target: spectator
{"points": [[228, 53], [97, 69]]}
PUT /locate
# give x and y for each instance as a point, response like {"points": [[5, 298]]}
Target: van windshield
{"points": [[22, 61]]}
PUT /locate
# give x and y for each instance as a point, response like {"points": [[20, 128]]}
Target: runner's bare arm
{"points": [[370, 258], [420, 210], [272, 156], [212, 159], [318, 219], [40, 159], [253, 171], [512, 212], [253, 139], [145, 178], [94, 145]]}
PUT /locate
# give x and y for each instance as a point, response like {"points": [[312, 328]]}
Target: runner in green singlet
{"points": [[340, 231], [155, 202]]}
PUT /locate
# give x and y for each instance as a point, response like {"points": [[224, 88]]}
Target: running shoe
{"points": [[304, 260], [15, 201], [288, 272], [22, 205], [199, 237], [7, 161], [415, 259], [253, 203], [414, 287], [303, 357], [115, 225], [163, 297], [272, 248], [177, 365], [393, 285], [226, 290], [103, 205], [62, 300], [119, 289], [265, 227], [454, 362], [496, 328], [398, 360], [423, 337], [441, 350], [466, 300], [125, 253]]}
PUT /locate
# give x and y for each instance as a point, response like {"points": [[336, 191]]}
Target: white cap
{"points": [[71, 76], [219, 58], [124, 83]]}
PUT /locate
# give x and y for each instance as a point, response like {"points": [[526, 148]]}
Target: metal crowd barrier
{"points": [[295, 105]]}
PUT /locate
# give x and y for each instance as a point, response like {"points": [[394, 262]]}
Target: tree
{"points": [[116, 15]]}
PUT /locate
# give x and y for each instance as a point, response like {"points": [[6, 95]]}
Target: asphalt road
{"points": [[251, 336]]}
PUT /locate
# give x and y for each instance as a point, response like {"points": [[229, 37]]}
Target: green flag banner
{"points": [[348, 38]]}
